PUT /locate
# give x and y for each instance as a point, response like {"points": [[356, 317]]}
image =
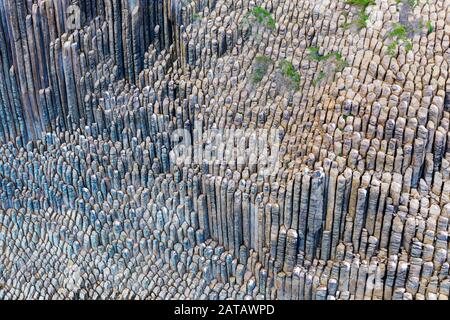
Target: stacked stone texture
{"points": [[93, 206]]}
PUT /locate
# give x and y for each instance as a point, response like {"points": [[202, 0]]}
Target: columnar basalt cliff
{"points": [[134, 138]]}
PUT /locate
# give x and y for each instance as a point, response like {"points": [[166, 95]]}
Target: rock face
{"points": [[139, 159]]}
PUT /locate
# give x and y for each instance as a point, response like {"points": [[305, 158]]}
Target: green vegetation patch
{"points": [[360, 3], [401, 33], [263, 17], [289, 72], [429, 27], [361, 21], [260, 68], [322, 75], [196, 16], [259, 16], [332, 61], [399, 36]]}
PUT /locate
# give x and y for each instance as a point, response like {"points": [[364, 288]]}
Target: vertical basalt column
{"points": [[61, 83], [45, 110], [7, 104], [281, 248], [291, 251], [275, 226], [359, 220], [246, 225], [294, 207], [287, 213], [315, 215], [167, 27], [18, 109], [73, 116], [337, 214], [16, 29], [40, 53], [204, 222], [303, 213], [267, 229], [237, 221], [127, 40], [159, 23], [372, 208], [137, 40], [220, 192], [118, 43], [417, 160], [75, 53], [230, 221]]}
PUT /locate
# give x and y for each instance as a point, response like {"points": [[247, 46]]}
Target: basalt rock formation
{"points": [[352, 101]]}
